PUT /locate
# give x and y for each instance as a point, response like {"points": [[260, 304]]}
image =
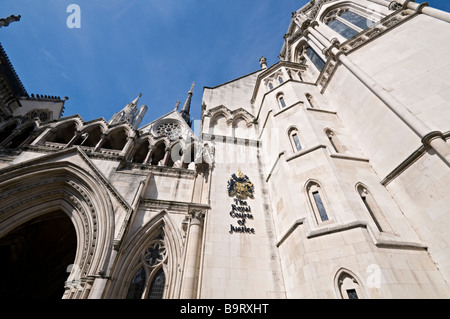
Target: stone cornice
{"points": [[173, 206]]}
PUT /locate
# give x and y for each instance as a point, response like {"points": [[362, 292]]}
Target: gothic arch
{"points": [[129, 131], [31, 191], [21, 135], [93, 132], [318, 202], [346, 279], [97, 123], [130, 260], [221, 113], [78, 122]]}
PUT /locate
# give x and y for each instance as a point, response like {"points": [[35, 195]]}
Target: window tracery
{"points": [[149, 280], [171, 129], [348, 21]]}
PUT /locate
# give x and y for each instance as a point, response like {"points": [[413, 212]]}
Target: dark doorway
{"points": [[35, 256]]}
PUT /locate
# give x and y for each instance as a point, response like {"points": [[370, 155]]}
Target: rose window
{"points": [[155, 254], [170, 129]]}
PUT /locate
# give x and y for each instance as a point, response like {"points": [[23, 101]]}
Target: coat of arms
{"points": [[240, 186]]}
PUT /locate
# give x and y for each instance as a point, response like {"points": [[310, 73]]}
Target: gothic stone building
{"points": [[325, 175]]}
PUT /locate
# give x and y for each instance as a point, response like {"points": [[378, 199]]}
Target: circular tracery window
{"points": [[170, 129], [155, 253]]}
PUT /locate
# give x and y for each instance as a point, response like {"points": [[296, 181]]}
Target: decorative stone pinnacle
{"points": [[263, 62], [4, 22]]}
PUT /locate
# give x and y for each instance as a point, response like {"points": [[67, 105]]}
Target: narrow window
{"points": [[311, 101], [334, 141], [318, 202], [320, 207], [348, 286], [280, 79], [296, 141], [315, 58], [157, 285], [352, 294], [374, 210], [137, 285], [270, 86], [282, 102]]}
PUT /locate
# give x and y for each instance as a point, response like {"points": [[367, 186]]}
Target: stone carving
{"points": [[239, 186]]}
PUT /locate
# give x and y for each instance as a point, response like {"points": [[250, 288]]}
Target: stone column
{"points": [[166, 157], [125, 151], [101, 142], [425, 9], [400, 110], [192, 259], [44, 136], [148, 158], [74, 139]]}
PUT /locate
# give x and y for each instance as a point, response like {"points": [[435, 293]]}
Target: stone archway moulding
{"points": [[31, 191]]}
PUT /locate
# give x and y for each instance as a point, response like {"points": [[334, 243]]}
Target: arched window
{"points": [[348, 286], [149, 280], [280, 80], [295, 140], [317, 201], [373, 209], [348, 22], [21, 138], [337, 146], [141, 152], [270, 86], [281, 101], [42, 115], [311, 101], [90, 136], [64, 133], [315, 58], [116, 140], [156, 290], [137, 285], [159, 154]]}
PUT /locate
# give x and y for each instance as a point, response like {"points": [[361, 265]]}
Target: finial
{"points": [[4, 22], [263, 62], [177, 105], [135, 102], [192, 88]]}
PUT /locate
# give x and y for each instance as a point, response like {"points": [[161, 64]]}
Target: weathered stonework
{"points": [[324, 175]]}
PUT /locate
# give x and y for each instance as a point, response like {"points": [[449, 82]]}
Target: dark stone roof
{"points": [[9, 74]]}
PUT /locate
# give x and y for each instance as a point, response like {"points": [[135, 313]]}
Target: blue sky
{"points": [[154, 47]]}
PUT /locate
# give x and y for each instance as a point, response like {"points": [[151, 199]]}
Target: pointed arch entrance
{"points": [[35, 196], [35, 257]]}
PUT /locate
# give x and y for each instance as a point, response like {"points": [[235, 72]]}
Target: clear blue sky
{"points": [[156, 47]]}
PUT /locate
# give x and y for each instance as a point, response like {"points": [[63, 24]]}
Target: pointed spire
{"points": [[185, 111], [136, 101], [128, 113]]}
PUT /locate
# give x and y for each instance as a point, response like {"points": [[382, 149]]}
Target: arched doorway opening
{"points": [[35, 257]]}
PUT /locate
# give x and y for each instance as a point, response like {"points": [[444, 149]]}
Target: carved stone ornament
{"points": [[240, 186]]}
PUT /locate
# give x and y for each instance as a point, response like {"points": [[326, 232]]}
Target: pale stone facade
{"points": [[325, 175]]}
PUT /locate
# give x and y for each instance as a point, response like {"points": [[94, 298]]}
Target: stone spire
{"points": [[130, 114], [185, 111]]}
